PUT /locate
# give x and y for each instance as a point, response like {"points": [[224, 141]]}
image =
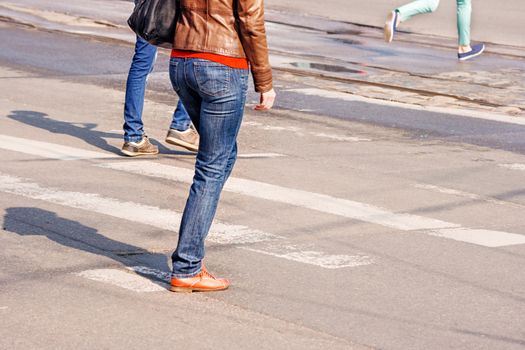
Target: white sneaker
{"points": [[390, 26]]}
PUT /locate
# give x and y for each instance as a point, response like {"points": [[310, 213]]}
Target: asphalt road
{"points": [[112, 63], [355, 225]]}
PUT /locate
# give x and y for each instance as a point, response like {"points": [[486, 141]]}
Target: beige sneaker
{"points": [[188, 139], [144, 147]]}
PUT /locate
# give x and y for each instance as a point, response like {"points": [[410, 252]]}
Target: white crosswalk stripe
{"points": [[332, 205], [59, 152], [220, 233], [314, 201], [124, 279], [513, 166], [310, 257], [243, 237], [154, 216], [49, 150]]}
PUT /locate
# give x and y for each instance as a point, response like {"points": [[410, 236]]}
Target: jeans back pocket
{"points": [[212, 78]]}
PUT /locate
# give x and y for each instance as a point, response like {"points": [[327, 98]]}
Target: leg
{"points": [[218, 125], [464, 10], [141, 66], [181, 120], [415, 8], [406, 12], [465, 50]]}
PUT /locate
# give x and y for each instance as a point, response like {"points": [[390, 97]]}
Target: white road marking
{"points": [[260, 155], [134, 279], [59, 152], [515, 166], [50, 150], [220, 233], [309, 200], [473, 196], [143, 270], [447, 191], [486, 238], [324, 203], [310, 257], [445, 110], [300, 132], [341, 138], [123, 279], [161, 218], [292, 129]]}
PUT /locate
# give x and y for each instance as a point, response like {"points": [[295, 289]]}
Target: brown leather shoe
{"points": [[203, 282]]}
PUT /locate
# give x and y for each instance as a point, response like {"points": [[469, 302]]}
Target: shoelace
{"points": [[206, 273]]}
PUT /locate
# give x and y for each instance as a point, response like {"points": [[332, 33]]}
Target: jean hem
{"points": [[133, 138], [185, 275], [180, 128]]}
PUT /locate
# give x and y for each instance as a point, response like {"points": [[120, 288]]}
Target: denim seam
{"points": [[186, 275], [133, 138]]}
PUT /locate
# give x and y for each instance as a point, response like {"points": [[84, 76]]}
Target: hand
{"points": [[266, 101]]}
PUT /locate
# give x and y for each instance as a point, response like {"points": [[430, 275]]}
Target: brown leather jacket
{"points": [[227, 27]]}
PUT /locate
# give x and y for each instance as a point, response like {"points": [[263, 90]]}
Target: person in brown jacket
{"points": [[216, 43]]}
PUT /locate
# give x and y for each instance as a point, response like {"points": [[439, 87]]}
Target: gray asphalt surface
{"points": [[113, 61], [419, 291]]}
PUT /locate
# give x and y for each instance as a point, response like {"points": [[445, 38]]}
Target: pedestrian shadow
{"points": [[27, 221], [84, 131]]}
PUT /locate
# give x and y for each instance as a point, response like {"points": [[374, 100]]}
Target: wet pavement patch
{"points": [[349, 41], [327, 67], [345, 32]]}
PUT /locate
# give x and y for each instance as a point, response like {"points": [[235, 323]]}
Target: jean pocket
{"points": [[212, 78], [173, 74]]}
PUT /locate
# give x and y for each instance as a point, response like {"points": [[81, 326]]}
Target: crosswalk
{"points": [[220, 233], [249, 239]]}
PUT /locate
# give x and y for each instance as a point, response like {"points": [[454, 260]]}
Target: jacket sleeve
{"points": [[253, 38]]}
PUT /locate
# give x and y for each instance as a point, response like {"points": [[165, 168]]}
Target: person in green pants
{"points": [[464, 10]]}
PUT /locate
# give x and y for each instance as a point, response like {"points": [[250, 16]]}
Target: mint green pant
{"points": [[464, 10]]}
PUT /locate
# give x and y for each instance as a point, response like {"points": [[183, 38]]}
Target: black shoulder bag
{"points": [[154, 21]]}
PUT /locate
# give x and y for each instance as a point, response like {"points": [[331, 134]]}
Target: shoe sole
{"points": [[389, 27], [476, 55], [191, 290], [183, 144], [135, 154]]}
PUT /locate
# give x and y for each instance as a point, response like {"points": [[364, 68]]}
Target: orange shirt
{"points": [[233, 62]]}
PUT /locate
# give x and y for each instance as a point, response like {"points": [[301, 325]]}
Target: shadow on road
{"points": [[27, 221], [84, 131]]}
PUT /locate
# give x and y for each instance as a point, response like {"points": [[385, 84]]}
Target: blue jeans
{"points": [[141, 66], [214, 96]]}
